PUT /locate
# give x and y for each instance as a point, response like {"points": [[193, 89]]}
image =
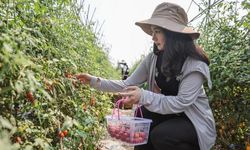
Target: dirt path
{"points": [[108, 143]]}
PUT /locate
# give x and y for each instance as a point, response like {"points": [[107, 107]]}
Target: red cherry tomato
{"points": [[84, 107], [61, 134], [65, 132], [18, 140], [29, 96], [68, 75]]}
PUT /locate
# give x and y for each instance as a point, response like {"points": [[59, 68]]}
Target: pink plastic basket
{"points": [[130, 130]]}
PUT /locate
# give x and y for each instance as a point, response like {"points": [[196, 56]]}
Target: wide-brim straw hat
{"points": [[171, 17]]}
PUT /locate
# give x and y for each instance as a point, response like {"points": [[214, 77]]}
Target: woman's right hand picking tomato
{"points": [[84, 78]]}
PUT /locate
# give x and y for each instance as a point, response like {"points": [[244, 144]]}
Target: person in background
{"points": [[124, 69], [175, 73]]}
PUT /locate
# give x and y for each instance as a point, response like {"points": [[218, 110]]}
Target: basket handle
{"points": [[138, 107], [117, 106]]}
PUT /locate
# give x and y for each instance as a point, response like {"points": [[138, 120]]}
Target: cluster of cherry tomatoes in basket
{"points": [[124, 133]]}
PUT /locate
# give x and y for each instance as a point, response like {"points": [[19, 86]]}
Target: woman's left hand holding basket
{"points": [[132, 94]]}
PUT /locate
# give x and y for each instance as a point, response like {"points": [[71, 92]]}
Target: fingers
{"points": [[131, 94], [127, 101], [80, 75], [84, 78]]}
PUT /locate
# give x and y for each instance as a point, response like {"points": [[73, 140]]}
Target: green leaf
{"points": [[19, 87], [67, 123], [5, 123], [81, 133]]}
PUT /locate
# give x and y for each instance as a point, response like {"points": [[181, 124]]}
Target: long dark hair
{"points": [[177, 48]]}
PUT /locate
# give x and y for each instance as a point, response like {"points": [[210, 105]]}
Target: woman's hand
{"points": [[84, 78], [132, 94]]}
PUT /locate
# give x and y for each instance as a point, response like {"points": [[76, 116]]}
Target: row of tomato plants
{"points": [[42, 45]]}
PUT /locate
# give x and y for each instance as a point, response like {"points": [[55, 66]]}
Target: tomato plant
{"points": [[42, 44], [226, 39]]}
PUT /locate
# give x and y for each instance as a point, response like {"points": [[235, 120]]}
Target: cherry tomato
{"points": [[92, 101], [84, 107], [29, 96], [68, 75], [61, 134], [65, 132], [18, 140]]}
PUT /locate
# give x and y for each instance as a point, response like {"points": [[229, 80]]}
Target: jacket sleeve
{"points": [[138, 77], [189, 89]]}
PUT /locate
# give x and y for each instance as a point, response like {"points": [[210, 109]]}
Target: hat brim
{"points": [[167, 24]]}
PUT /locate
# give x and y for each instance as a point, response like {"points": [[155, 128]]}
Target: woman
{"points": [[175, 72]]}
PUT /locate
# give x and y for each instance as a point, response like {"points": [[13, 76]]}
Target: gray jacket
{"points": [[191, 98]]}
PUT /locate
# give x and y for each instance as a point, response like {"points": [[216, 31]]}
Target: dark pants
{"points": [[169, 132]]}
